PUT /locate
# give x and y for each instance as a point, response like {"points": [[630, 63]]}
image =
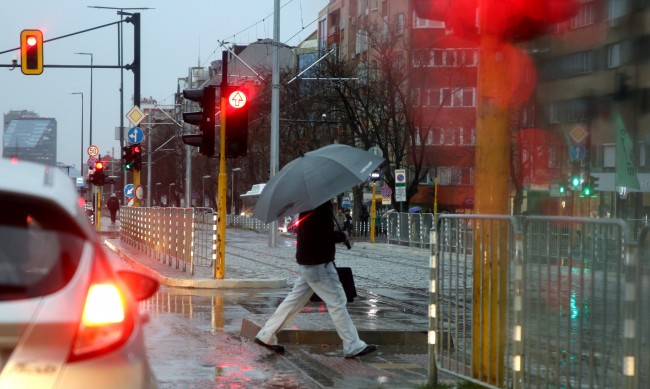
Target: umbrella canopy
{"points": [[312, 179]]}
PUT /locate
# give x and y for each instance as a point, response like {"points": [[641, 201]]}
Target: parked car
{"points": [[68, 319]]}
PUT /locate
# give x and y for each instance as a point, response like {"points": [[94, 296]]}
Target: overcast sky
{"points": [[175, 36]]}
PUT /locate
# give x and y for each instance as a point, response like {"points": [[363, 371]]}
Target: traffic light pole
{"points": [[492, 196], [222, 190]]}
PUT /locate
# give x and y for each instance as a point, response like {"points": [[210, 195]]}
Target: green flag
{"points": [[625, 171]]}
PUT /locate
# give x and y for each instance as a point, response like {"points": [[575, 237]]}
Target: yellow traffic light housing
{"points": [[31, 52]]}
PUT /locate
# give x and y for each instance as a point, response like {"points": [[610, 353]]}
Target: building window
{"points": [[362, 42], [580, 63], [461, 97], [586, 16], [450, 175], [467, 136], [614, 55], [609, 155], [426, 23], [617, 9], [400, 22]]}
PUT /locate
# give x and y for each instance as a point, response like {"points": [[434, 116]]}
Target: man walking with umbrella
{"points": [[315, 255]]}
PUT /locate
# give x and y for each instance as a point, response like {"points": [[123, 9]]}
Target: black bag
{"points": [[347, 280]]}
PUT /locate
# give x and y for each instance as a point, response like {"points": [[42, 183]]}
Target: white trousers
{"points": [[324, 280]]}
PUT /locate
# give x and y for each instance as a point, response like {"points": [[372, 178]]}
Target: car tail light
{"points": [[106, 321]]}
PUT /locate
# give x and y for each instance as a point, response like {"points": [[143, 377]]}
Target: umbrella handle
{"points": [[347, 241]]}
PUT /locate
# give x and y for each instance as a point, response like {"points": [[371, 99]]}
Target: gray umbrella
{"points": [[309, 181]]}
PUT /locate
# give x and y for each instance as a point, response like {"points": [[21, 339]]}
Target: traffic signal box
{"points": [[31, 52], [205, 119], [236, 121], [132, 157], [97, 176]]}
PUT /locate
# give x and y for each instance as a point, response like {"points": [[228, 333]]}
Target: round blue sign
{"points": [[135, 135], [128, 190]]}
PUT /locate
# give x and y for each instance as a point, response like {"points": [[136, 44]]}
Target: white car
{"points": [[68, 319]]}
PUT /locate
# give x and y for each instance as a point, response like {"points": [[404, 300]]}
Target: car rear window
{"points": [[40, 248]]}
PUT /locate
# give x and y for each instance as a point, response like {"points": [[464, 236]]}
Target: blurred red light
{"points": [[99, 165]]}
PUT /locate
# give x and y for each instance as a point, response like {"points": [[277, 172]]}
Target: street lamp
{"points": [[91, 95], [232, 190], [203, 190], [81, 165], [169, 194]]}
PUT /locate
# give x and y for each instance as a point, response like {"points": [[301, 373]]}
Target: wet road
{"points": [[193, 335]]}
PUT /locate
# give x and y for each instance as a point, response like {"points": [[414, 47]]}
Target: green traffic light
{"points": [[575, 182], [562, 189]]}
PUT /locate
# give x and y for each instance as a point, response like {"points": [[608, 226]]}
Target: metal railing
{"points": [[540, 302], [178, 237]]}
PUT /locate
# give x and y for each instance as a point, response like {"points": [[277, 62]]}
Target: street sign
{"points": [[128, 190], [135, 135], [93, 151], [400, 185], [400, 177], [80, 181], [578, 133], [91, 162], [135, 115], [577, 152], [386, 192], [139, 192]]}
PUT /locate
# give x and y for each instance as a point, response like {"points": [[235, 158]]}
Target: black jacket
{"points": [[316, 236], [113, 204]]}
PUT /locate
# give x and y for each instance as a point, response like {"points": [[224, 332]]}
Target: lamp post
{"points": [[91, 95], [232, 190], [169, 194], [81, 165], [203, 190]]}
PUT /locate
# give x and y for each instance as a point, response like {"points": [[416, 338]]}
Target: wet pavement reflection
{"points": [[194, 341]]}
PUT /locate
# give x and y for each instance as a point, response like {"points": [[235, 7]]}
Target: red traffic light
{"points": [[237, 99], [136, 149], [99, 165], [31, 52]]}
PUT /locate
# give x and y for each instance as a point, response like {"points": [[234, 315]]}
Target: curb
{"points": [[199, 283]]}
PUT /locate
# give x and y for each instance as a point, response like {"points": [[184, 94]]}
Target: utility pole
{"points": [[275, 113]]}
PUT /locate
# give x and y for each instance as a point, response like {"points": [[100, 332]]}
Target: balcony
{"points": [[335, 36]]}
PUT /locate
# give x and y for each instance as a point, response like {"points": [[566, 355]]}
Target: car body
{"points": [[68, 319]]}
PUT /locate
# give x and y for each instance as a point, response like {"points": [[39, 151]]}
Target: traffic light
{"points": [[136, 152], [132, 157], [236, 121], [589, 188], [562, 189], [97, 177], [31, 52], [575, 180], [127, 158], [205, 119]]}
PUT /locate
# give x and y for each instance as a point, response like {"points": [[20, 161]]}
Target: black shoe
{"points": [[367, 350], [273, 347]]}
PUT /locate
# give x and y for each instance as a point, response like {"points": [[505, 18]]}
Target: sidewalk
{"points": [[402, 359]]}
